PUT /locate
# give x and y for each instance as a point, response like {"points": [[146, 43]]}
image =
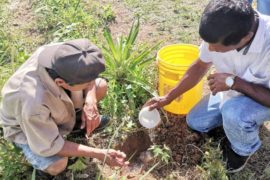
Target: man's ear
{"points": [[247, 38], [60, 82]]}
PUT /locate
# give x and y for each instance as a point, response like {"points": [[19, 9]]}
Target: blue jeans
{"points": [[240, 116], [263, 6], [38, 162]]}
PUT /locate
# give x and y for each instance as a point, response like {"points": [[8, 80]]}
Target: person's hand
{"points": [[90, 118], [156, 102], [113, 158], [217, 83]]}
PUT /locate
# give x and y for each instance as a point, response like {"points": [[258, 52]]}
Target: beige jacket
{"points": [[34, 110]]}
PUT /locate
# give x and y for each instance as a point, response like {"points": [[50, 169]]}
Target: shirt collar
{"points": [[256, 45], [51, 86], [48, 82]]}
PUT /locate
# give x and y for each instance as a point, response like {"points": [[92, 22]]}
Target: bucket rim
{"points": [[179, 44], [170, 45]]}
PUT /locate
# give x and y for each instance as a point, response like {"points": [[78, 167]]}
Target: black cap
{"points": [[76, 61]]}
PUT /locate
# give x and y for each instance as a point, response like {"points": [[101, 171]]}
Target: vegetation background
{"points": [[129, 44]]}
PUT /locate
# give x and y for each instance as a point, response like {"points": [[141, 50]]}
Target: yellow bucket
{"points": [[173, 62]]}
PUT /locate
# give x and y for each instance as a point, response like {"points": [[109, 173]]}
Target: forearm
{"points": [[257, 92], [71, 149], [90, 93], [193, 75]]}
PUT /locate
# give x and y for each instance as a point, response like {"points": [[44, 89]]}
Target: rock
{"points": [[146, 157]]}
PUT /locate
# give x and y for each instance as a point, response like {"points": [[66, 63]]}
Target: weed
{"points": [[62, 20], [163, 154], [79, 165], [12, 163], [125, 67], [71, 19], [115, 134], [150, 170], [107, 14], [212, 166], [33, 177]]}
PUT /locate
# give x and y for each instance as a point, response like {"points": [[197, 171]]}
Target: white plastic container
{"points": [[149, 119]]}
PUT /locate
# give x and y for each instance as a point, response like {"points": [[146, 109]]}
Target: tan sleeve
{"points": [[42, 133]]}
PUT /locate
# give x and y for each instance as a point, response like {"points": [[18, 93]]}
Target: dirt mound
{"points": [[134, 144], [183, 143]]}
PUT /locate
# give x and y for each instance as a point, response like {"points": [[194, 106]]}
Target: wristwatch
{"points": [[229, 81]]}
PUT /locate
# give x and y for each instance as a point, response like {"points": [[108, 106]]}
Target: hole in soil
{"points": [[134, 144]]}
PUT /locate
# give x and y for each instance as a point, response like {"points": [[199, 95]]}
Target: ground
{"points": [[170, 22]]}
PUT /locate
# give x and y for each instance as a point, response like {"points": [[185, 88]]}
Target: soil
{"points": [[186, 154], [174, 133], [23, 24], [180, 139], [184, 145], [124, 21], [135, 144]]}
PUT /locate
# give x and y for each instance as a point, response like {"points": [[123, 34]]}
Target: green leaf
{"points": [[33, 175], [140, 60], [131, 38], [108, 37], [79, 165]]}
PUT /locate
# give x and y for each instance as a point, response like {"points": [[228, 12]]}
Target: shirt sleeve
{"points": [[205, 55], [42, 133]]}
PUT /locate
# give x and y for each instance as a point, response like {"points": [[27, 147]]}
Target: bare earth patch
{"points": [[184, 145], [23, 24]]}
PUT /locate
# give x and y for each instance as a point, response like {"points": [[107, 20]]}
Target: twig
{"points": [[110, 143], [151, 169], [195, 147], [261, 176], [165, 114]]}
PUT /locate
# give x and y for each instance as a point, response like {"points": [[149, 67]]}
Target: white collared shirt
{"points": [[252, 66]]}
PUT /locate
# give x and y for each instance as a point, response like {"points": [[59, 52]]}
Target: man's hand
{"points": [[217, 83], [113, 158], [157, 102], [90, 118]]}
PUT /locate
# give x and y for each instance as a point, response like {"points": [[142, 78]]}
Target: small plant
{"points": [[63, 20], [161, 153], [107, 14], [78, 166], [12, 163], [126, 66], [212, 166]]}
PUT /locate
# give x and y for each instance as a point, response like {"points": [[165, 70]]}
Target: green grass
{"points": [[70, 19], [176, 21]]}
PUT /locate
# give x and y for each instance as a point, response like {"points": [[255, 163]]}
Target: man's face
{"points": [[218, 47], [77, 87]]}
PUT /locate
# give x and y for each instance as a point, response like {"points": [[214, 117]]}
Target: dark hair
{"points": [[226, 21], [53, 74]]}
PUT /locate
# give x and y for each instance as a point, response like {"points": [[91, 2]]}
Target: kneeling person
{"points": [[39, 101]]}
